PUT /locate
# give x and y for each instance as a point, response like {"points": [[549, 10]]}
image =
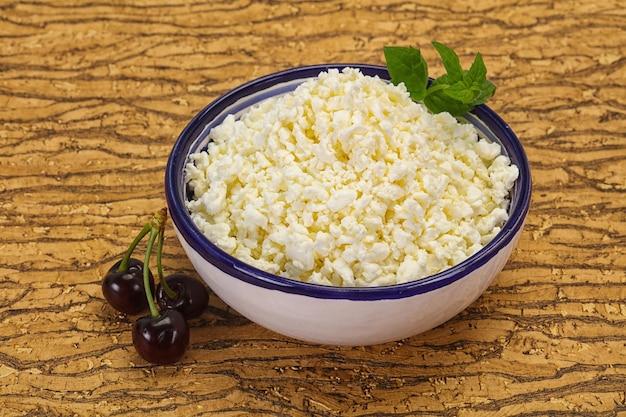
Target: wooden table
{"points": [[92, 98]]}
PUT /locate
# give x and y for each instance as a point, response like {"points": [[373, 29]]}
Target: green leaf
{"points": [[439, 102], [457, 92], [450, 61], [478, 70], [406, 65], [486, 90], [444, 96]]}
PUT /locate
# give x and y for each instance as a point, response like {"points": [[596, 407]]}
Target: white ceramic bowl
{"points": [[333, 315]]}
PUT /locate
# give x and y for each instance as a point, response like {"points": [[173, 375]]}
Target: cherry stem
{"points": [[166, 288], [126, 259], [154, 311], [155, 228]]}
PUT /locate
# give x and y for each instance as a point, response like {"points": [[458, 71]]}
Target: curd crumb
{"points": [[348, 182]]}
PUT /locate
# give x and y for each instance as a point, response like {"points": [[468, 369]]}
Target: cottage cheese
{"points": [[348, 182]]}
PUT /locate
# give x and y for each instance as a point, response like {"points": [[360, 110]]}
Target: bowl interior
{"points": [[194, 138]]}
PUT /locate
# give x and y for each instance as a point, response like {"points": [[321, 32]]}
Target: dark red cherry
{"points": [[125, 290], [192, 297], [161, 340]]}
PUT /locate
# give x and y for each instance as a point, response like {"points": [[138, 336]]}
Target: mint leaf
{"points": [[443, 97], [450, 61], [460, 91], [478, 70], [457, 92], [478, 82], [406, 65]]}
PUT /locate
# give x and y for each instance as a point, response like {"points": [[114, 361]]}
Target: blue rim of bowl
{"points": [[175, 192]]}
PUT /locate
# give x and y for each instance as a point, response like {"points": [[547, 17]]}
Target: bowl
{"points": [[338, 315]]}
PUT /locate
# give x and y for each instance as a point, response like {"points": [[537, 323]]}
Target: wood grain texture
{"points": [[92, 97]]}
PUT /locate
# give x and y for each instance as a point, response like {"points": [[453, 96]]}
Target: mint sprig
{"points": [[457, 92]]}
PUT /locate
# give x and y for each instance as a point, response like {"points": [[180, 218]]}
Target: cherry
{"points": [[123, 287], [161, 340], [183, 293], [162, 336]]}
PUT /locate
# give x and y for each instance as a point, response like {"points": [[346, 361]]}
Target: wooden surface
{"points": [[92, 98]]}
